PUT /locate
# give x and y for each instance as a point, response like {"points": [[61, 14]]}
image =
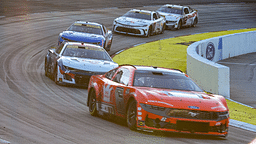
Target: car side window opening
{"points": [[110, 74], [105, 30], [158, 15], [118, 76], [58, 50], [154, 16], [186, 11], [125, 76], [122, 76]]}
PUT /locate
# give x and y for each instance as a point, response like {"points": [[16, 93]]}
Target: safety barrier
{"points": [[203, 55]]}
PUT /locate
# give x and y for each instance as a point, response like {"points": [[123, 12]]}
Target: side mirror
{"points": [[51, 50], [109, 32]]}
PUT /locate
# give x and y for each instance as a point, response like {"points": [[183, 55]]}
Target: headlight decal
{"points": [[185, 113], [154, 109]]}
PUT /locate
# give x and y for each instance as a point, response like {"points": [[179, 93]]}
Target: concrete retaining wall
{"points": [[203, 55]]}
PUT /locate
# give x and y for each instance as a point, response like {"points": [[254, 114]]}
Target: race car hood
{"points": [[92, 65], [132, 21], [170, 16], [81, 37], [182, 99]]}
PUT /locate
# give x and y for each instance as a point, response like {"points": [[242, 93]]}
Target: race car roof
{"points": [[153, 68], [174, 6], [145, 11], [86, 22], [84, 44], [157, 69]]}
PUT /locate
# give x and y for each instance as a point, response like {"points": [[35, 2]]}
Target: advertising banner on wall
{"points": [[212, 50]]}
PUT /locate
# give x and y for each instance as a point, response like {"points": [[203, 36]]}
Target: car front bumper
{"points": [[79, 78], [171, 24], [125, 29], [149, 121]]}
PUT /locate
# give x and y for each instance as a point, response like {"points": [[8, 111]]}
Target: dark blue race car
{"points": [[88, 32]]}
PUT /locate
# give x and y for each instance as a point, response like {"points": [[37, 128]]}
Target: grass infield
{"points": [[172, 53]]}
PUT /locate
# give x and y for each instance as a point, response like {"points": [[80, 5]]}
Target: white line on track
{"points": [[236, 63], [4, 141]]}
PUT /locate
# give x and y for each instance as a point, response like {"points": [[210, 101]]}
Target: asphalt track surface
{"points": [[242, 78], [33, 109]]}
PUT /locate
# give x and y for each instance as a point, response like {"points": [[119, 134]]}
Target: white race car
{"points": [[178, 16], [140, 23], [75, 63]]}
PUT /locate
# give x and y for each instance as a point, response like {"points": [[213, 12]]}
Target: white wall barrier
{"points": [[203, 55]]}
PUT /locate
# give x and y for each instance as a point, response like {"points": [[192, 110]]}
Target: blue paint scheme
{"points": [[102, 38], [82, 37]]}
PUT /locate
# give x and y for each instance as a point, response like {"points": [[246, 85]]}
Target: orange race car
{"points": [[152, 98]]}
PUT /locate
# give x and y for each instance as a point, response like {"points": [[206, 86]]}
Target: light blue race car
{"points": [[87, 32]]}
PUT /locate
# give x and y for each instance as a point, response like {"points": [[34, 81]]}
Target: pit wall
{"points": [[202, 58]]}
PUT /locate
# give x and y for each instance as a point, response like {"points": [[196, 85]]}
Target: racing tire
{"points": [[46, 69], [149, 32], [107, 47], [179, 26], [132, 115], [225, 136], [163, 28], [195, 22], [92, 103], [56, 76]]}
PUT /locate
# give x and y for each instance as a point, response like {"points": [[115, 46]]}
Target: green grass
{"points": [[241, 113], [169, 53], [172, 53]]}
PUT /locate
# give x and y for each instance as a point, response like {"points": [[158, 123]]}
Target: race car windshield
{"points": [[164, 80], [138, 15], [86, 52], [86, 28], [170, 10]]}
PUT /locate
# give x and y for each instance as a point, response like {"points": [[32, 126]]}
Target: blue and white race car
{"points": [[178, 16], [87, 32], [75, 63], [140, 23]]}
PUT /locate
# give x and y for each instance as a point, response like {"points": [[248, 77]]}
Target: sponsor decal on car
{"points": [[181, 94], [154, 101], [106, 92], [94, 62], [216, 107], [193, 107]]}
